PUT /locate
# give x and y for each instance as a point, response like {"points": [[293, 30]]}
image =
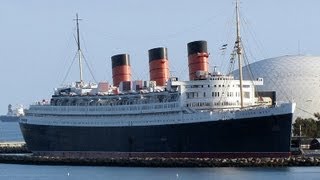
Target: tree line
{"points": [[310, 127]]}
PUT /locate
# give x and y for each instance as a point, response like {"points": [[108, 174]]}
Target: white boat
{"points": [[13, 114]]}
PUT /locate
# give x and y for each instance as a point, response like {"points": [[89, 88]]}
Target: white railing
{"points": [[105, 110]]}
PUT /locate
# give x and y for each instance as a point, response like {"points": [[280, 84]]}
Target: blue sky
{"points": [[37, 45]]}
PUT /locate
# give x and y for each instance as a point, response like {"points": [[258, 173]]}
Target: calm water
{"points": [[25, 172], [11, 132]]}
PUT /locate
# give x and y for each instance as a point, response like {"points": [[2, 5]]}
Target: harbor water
{"points": [[9, 131]]}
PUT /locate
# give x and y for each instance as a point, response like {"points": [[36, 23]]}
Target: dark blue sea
{"points": [[10, 132]]}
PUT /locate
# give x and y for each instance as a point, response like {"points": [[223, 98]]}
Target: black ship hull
{"points": [[263, 136]]}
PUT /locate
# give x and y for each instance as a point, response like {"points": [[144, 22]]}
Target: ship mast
{"points": [[79, 49], [239, 53]]}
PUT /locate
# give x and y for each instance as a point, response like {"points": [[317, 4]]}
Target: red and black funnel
{"points": [[121, 70], [197, 58], [159, 65]]}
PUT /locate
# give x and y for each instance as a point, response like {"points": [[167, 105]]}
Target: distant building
{"points": [[294, 78]]}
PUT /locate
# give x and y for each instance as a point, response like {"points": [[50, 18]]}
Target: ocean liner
{"points": [[210, 115]]}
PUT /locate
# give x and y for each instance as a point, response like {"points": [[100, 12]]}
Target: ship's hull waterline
{"points": [[256, 137]]}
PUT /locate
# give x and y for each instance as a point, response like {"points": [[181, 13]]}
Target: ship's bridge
{"points": [[216, 92]]}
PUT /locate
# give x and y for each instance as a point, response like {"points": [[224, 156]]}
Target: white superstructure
{"points": [[210, 99]]}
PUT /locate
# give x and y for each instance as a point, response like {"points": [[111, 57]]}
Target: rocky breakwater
{"points": [[13, 148], [17, 153], [162, 162]]}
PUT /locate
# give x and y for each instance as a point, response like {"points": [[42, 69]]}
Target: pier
{"points": [[17, 153]]}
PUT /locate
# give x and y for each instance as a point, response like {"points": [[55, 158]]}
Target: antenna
{"points": [[239, 52], [79, 48]]}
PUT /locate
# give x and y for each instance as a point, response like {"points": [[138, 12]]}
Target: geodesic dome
{"points": [[294, 78]]}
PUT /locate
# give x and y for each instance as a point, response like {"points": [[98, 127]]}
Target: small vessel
{"points": [[210, 115], [13, 115]]}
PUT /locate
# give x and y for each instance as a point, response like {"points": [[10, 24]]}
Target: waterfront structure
{"points": [[293, 78]]}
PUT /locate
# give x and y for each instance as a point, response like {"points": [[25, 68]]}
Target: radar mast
{"points": [[79, 48], [239, 52]]}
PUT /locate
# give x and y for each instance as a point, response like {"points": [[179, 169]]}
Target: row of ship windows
{"points": [[221, 78], [191, 95], [114, 123], [201, 86], [129, 123], [254, 113], [115, 108], [208, 104]]}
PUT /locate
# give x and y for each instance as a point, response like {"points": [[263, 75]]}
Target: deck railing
{"points": [[105, 110]]}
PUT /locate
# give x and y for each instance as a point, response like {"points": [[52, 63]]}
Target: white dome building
{"points": [[295, 78]]}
